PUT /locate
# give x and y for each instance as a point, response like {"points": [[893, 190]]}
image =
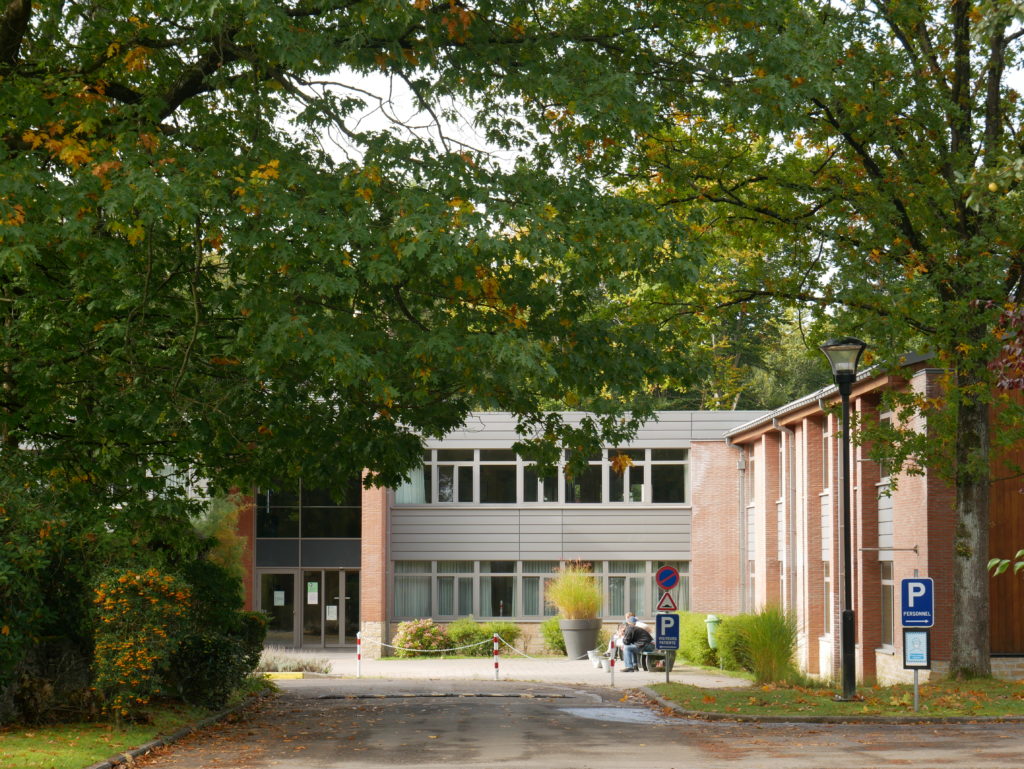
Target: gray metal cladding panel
{"points": [[277, 552], [331, 553], [455, 538]]}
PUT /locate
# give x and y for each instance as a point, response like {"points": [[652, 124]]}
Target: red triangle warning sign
{"points": [[667, 603]]}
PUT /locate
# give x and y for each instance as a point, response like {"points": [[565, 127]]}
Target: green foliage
{"points": [[733, 651], [763, 643], [575, 592], [771, 642], [693, 639], [999, 565], [139, 618], [466, 631], [550, 631], [419, 638], [509, 632]]}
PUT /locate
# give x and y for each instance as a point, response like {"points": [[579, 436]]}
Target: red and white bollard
{"points": [[495, 656], [611, 668], [359, 654]]}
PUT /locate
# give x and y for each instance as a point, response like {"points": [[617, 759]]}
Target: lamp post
{"points": [[843, 355]]}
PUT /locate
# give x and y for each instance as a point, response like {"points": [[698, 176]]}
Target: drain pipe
{"points": [[790, 477]]}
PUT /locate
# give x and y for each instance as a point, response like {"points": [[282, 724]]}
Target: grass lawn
{"points": [[73, 746], [984, 697]]}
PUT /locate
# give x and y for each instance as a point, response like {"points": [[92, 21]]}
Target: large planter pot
{"points": [[580, 636]]}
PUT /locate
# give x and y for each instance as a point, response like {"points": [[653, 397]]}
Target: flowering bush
{"points": [[138, 618], [418, 636]]}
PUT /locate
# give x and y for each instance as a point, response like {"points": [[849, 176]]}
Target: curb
{"points": [[129, 756], [704, 715]]}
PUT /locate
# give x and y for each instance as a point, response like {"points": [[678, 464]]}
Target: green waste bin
{"points": [[712, 622]]}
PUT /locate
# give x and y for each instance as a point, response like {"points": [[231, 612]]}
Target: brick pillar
{"points": [[867, 585], [812, 608], [715, 585], [373, 594]]}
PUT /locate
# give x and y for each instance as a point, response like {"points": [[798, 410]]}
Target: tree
{"points": [[193, 276], [873, 150]]}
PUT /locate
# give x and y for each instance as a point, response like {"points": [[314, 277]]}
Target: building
{"points": [[740, 502], [789, 548], [476, 532]]}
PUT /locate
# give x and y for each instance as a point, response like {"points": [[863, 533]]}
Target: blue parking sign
{"points": [[917, 602], [667, 631]]}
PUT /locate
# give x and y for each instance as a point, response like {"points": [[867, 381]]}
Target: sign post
{"points": [[917, 608], [667, 637]]}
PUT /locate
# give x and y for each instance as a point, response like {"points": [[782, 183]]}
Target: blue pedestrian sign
{"points": [[667, 631], [918, 602], [667, 577]]}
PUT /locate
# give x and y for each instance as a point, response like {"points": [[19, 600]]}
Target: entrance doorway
{"points": [[311, 608]]}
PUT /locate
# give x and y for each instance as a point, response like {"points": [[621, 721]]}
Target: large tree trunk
{"points": [[970, 653]]}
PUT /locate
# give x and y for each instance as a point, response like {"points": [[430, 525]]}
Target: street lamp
{"points": [[843, 355]]}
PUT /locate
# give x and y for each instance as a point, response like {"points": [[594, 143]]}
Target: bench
{"points": [[667, 656]]}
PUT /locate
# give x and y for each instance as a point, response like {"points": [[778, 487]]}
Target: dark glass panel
{"points": [[668, 483], [331, 522], [498, 483], [497, 455], [585, 487], [277, 522], [455, 455], [677, 455]]}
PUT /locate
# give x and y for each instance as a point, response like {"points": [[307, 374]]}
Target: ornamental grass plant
{"points": [[575, 592]]}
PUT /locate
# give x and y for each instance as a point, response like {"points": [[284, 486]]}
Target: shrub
{"points": [[510, 632], [575, 592], [693, 639], [466, 631], [554, 641], [276, 660], [733, 650], [139, 618], [771, 643], [418, 637]]}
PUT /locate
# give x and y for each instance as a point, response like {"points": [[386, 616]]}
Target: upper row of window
{"points": [[500, 476]]}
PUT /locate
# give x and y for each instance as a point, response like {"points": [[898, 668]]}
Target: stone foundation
{"points": [[373, 635]]}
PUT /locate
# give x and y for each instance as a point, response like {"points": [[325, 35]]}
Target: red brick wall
{"points": [[373, 567], [247, 530], [715, 586]]}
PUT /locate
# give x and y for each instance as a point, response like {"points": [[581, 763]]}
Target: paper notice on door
{"points": [[278, 598], [312, 592], [332, 613]]}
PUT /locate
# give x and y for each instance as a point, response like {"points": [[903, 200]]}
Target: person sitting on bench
{"points": [[635, 641]]}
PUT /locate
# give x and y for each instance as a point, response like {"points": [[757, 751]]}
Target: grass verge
{"points": [[72, 746], [982, 697], [76, 745]]}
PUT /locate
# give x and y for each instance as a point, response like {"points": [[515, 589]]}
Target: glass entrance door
{"points": [[277, 599], [330, 607]]}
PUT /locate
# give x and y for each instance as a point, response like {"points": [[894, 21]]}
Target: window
{"points": [[626, 473], [887, 603], [534, 588], [585, 486], [310, 513], [454, 590], [455, 481], [668, 475], [627, 592], [412, 589], [751, 476], [417, 489], [537, 488], [827, 603], [826, 445], [497, 589], [885, 465], [497, 475], [516, 589]]}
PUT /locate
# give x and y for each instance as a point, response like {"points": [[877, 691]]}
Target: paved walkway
{"points": [[514, 667]]}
